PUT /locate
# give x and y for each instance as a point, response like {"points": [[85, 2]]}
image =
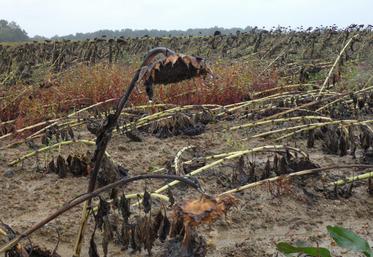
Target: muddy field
{"points": [[260, 220]]}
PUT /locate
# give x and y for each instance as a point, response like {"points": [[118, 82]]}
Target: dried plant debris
{"points": [[124, 208], [147, 201], [193, 165], [133, 135], [179, 124], [245, 172], [109, 172], [93, 126], [194, 213], [339, 191], [239, 176], [24, 250], [311, 138], [54, 133], [139, 232], [80, 165], [62, 167], [370, 186], [75, 165], [341, 141], [197, 247], [135, 232], [204, 210], [92, 251], [204, 117], [164, 228]]}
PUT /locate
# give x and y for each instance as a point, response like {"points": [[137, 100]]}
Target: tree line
{"points": [[12, 32], [129, 33]]}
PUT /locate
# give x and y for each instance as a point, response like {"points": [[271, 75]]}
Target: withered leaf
{"points": [[107, 235], [133, 243], [252, 176], [147, 202], [51, 167], [147, 236], [157, 223], [77, 167], [114, 197], [123, 172], [64, 135], [267, 170], [92, 252], [283, 166], [288, 155], [125, 236], [311, 138], [177, 227], [137, 236], [68, 160], [61, 167], [70, 132], [275, 163], [103, 210], [170, 197], [124, 207], [164, 229], [342, 145]]}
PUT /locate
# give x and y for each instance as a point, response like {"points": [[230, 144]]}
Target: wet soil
{"points": [[262, 218]]}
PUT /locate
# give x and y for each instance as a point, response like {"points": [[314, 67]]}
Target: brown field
{"points": [[277, 104]]}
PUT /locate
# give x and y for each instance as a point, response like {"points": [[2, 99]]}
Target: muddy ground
{"points": [[252, 229]]}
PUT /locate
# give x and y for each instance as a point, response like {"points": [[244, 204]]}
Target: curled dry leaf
{"points": [[124, 207], [147, 201], [156, 224], [51, 168], [171, 197], [164, 229], [102, 212]]}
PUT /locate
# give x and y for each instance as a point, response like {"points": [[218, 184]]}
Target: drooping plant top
{"points": [[172, 69]]}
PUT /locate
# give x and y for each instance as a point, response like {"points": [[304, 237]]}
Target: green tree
{"points": [[11, 32]]}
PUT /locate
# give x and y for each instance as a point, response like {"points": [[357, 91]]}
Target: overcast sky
{"points": [[51, 17]]}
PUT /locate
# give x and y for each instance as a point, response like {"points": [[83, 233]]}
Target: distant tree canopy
{"points": [[129, 33], [11, 32]]}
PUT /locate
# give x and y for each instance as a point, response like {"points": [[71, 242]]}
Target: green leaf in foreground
{"points": [[349, 240], [286, 248]]}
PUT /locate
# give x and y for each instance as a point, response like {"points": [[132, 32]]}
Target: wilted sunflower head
{"points": [[204, 210]]}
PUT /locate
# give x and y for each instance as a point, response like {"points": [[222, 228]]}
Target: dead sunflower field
{"points": [[247, 140]]}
